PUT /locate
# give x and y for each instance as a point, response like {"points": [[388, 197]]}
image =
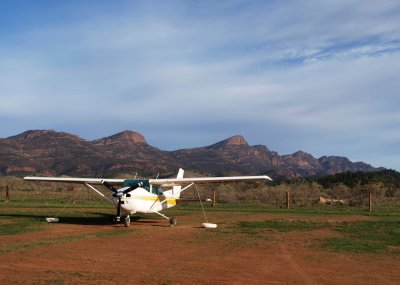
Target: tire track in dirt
{"points": [[284, 253]]}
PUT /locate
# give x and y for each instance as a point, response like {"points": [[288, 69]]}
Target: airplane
{"points": [[146, 195]]}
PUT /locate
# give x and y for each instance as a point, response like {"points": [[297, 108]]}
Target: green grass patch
{"points": [[283, 225], [13, 226], [23, 220], [66, 239], [312, 210], [349, 244], [54, 203], [367, 236]]}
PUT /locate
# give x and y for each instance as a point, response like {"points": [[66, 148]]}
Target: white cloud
{"points": [[293, 74]]}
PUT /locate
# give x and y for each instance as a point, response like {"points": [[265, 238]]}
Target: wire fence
{"points": [[277, 196]]}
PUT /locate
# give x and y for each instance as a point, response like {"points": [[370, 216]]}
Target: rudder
{"points": [[177, 189]]}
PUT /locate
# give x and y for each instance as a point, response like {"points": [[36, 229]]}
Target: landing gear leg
{"points": [[116, 220], [172, 220], [127, 221]]}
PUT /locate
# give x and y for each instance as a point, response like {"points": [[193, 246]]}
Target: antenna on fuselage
{"points": [[135, 176], [158, 175]]}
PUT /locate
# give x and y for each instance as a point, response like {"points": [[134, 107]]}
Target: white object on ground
{"points": [[209, 225], [52, 220]]}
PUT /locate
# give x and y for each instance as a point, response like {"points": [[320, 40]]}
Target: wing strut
{"points": [[99, 193]]}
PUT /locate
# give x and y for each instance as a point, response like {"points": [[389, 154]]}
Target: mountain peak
{"points": [[31, 134], [302, 154], [232, 141], [236, 140], [43, 134], [127, 136]]}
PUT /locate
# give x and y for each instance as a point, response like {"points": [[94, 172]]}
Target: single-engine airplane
{"points": [[146, 195]]}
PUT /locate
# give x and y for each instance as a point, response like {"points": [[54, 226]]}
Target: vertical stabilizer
{"points": [[177, 189], [180, 173]]}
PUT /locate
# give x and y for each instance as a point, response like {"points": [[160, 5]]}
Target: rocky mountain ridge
{"points": [[47, 152]]}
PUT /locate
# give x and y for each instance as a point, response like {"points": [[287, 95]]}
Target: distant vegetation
{"points": [[387, 178], [352, 188]]}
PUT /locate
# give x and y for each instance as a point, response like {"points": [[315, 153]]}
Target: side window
{"points": [[156, 190]]}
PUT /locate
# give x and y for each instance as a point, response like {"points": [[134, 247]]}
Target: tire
{"points": [[173, 221]]}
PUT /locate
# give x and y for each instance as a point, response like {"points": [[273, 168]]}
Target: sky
{"points": [[317, 76]]}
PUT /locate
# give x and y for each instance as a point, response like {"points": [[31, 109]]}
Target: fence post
{"points": [[288, 199], [214, 202], [8, 198], [370, 202]]}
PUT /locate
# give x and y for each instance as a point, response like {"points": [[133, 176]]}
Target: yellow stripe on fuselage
{"points": [[170, 201]]}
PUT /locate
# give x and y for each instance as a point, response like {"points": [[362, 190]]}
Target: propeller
{"points": [[119, 192], [109, 186], [133, 187]]}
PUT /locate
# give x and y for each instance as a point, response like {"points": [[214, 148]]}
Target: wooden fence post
{"points": [[288, 199], [214, 202], [370, 202], [8, 198]]}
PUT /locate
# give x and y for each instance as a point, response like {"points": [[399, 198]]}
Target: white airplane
{"points": [[146, 195]]}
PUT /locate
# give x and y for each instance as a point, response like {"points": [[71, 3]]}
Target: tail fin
{"points": [[177, 189], [180, 173]]}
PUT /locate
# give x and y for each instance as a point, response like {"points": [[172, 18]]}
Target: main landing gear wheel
{"points": [[173, 221], [116, 220], [127, 221]]}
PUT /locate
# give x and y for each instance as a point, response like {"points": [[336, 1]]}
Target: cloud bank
{"points": [[320, 76]]}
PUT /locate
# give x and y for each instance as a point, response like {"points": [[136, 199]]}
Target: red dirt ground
{"points": [[186, 254]]}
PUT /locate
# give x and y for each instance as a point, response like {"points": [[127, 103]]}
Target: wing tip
{"points": [[268, 178]]}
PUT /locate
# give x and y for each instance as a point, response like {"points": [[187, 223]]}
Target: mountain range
{"points": [[47, 152]]}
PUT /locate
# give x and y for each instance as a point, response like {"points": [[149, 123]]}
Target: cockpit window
{"points": [[132, 182], [156, 190]]}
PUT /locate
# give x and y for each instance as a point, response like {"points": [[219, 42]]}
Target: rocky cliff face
{"points": [[47, 152]]}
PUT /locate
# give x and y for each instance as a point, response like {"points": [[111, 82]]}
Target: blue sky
{"points": [[320, 76]]}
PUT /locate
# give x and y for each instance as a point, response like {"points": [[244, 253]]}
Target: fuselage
{"points": [[142, 200]]}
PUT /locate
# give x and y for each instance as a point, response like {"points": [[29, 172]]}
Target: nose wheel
{"points": [[127, 221]]}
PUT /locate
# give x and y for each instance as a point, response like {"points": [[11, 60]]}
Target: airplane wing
{"points": [[198, 180], [156, 182], [76, 180]]}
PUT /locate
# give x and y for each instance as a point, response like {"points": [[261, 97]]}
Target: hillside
{"points": [[47, 152]]}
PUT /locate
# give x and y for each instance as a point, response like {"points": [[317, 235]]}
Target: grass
{"points": [[19, 220], [367, 236], [336, 210], [66, 239], [380, 235], [54, 203], [283, 225], [13, 225]]}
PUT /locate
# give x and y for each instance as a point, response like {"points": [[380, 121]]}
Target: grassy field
{"points": [[379, 235]]}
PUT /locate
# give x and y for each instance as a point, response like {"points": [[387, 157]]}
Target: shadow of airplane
{"points": [[93, 219]]}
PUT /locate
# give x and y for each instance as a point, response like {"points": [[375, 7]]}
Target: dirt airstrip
{"points": [[152, 252]]}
